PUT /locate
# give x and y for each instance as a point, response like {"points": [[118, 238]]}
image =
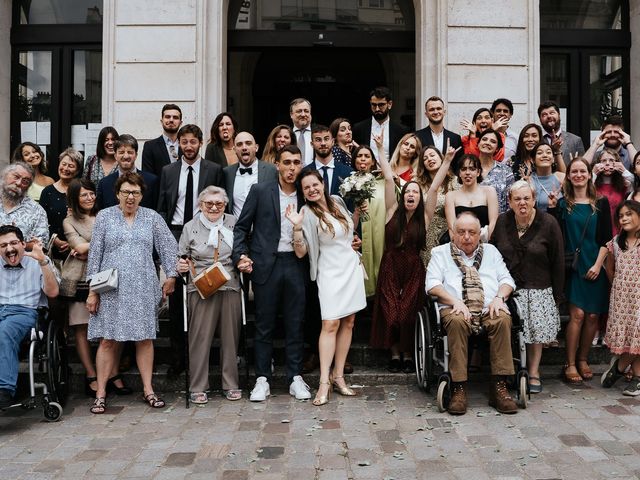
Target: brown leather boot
{"points": [[458, 403], [499, 397]]}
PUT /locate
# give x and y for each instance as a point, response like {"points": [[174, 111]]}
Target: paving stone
{"points": [[276, 428], [180, 459], [590, 454], [575, 440], [617, 410], [331, 425], [250, 425], [270, 452], [615, 448]]}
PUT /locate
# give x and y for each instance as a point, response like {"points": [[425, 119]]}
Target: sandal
{"points": [[199, 398], [233, 394], [99, 406], [571, 378], [88, 391], [535, 387], [153, 400], [585, 372]]}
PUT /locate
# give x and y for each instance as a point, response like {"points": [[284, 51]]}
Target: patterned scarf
{"points": [[472, 291]]}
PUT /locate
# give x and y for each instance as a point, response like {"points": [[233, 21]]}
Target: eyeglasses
{"points": [[288, 163], [13, 243], [378, 105], [134, 193], [87, 195], [23, 180], [210, 205]]}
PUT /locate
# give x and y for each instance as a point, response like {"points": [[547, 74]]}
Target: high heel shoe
{"points": [[113, 388], [323, 399], [88, 391], [345, 391]]}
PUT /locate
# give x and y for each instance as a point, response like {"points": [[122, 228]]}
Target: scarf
{"points": [[216, 229], [472, 291]]}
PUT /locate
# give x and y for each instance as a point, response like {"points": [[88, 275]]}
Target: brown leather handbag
{"points": [[210, 279]]}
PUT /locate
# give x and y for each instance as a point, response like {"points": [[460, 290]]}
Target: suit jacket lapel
{"points": [[202, 178], [275, 196]]}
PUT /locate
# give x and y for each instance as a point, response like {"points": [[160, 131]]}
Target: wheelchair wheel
{"points": [[52, 411], [523, 390], [58, 367], [443, 397], [422, 354]]}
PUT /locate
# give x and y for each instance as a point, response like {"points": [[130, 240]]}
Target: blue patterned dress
{"points": [[128, 313]]}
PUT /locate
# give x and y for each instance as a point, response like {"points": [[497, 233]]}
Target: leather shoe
{"points": [[6, 399], [500, 399], [458, 402]]}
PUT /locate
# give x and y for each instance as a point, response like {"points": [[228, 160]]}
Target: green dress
{"points": [[373, 238], [592, 297]]}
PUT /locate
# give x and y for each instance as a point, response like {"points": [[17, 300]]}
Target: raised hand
{"points": [[468, 125], [379, 139], [37, 251], [500, 123], [451, 152], [294, 217]]}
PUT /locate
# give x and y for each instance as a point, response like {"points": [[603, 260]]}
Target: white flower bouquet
{"points": [[359, 187]]}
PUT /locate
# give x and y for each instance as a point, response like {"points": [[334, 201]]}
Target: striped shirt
{"points": [[22, 285]]}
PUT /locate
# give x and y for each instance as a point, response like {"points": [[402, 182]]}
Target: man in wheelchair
{"points": [[472, 283], [26, 280]]}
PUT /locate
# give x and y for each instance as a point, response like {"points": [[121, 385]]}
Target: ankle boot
{"points": [[458, 403], [499, 397]]}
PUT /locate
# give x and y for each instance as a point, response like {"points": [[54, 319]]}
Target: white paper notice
{"points": [[28, 132], [43, 131], [78, 134]]}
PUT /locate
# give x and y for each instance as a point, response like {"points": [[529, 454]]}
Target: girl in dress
{"points": [[522, 163], [32, 154], [623, 269], [610, 180], [543, 180], [404, 158], [324, 229], [400, 292]]}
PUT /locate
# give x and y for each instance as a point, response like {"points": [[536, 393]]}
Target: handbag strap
{"points": [[584, 231], [216, 252]]}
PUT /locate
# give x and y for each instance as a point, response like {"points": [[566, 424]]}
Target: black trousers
{"points": [[283, 291]]}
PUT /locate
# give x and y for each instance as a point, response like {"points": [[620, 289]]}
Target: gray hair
{"points": [[75, 156], [467, 214], [14, 166], [213, 190], [521, 184]]}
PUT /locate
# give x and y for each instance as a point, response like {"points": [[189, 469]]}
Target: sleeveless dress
{"points": [[438, 224], [543, 186], [623, 327], [590, 296], [372, 234], [400, 293]]}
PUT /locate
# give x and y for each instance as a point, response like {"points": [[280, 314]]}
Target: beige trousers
{"points": [[221, 312], [458, 331]]}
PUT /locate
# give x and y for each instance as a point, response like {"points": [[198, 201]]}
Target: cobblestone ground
{"points": [[390, 432]]}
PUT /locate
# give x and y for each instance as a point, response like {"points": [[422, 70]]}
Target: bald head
{"points": [[466, 232], [246, 148]]}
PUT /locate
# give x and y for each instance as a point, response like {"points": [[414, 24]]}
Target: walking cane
{"points": [[244, 329], [185, 313]]}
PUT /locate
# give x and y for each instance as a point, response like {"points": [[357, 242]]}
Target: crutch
{"points": [[185, 319], [244, 329]]}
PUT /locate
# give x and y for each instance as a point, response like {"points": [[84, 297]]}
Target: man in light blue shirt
{"points": [[26, 280]]}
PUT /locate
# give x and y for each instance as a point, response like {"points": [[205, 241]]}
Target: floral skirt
{"points": [[539, 315]]}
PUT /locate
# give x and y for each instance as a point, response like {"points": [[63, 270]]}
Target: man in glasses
{"points": [[380, 123], [126, 148], [239, 177], [263, 248], [17, 208]]}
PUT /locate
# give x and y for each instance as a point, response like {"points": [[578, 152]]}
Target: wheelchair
{"points": [[46, 351], [432, 354]]}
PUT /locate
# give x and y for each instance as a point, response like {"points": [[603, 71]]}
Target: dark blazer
{"points": [[340, 172], [106, 195], [267, 172], [214, 153], [155, 156], [210, 174], [426, 138], [362, 134], [257, 231]]}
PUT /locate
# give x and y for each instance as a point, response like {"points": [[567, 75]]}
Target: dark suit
{"points": [[106, 195], [362, 134], [267, 172], [155, 156], [340, 172], [278, 278], [426, 138], [210, 174]]}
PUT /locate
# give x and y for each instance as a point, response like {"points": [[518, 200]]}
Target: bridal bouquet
{"points": [[359, 187]]}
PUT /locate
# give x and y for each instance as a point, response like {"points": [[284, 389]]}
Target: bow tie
{"points": [[248, 170], [11, 267]]}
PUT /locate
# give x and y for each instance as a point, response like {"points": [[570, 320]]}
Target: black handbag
{"points": [[571, 259]]}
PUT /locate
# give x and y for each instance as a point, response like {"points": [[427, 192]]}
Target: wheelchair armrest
{"points": [[41, 318]]}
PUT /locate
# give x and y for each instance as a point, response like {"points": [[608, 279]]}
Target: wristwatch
{"points": [[44, 262]]}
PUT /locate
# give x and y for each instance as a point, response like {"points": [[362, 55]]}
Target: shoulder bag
{"points": [[210, 279]]}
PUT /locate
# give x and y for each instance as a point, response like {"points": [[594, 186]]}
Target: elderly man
{"points": [[472, 283], [26, 280], [17, 208]]}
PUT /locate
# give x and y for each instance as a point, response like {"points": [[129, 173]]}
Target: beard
{"points": [[12, 193], [380, 116], [171, 130], [322, 154]]}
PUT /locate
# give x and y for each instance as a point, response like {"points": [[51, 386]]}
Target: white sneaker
{"points": [[261, 391], [299, 389]]}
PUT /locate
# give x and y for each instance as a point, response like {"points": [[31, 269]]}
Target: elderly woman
{"points": [[206, 239], [124, 237], [54, 200], [530, 242]]}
